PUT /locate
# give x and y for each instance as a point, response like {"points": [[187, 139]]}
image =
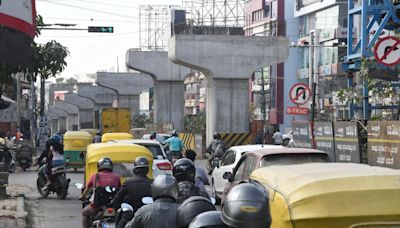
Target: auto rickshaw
{"points": [[115, 136], [91, 131], [75, 144], [121, 154], [331, 195]]}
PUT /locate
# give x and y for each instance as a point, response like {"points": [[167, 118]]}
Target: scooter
{"points": [[7, 159], [23, 154], [59, 182]]}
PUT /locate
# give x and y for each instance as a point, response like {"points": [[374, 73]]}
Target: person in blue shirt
{"points": [[175, 144]]}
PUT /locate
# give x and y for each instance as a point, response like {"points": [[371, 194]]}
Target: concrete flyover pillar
{"points": [[102, 98], [85, 107], [72, 114], [128, 87], [62, 118], [227, 62], [168, 84]]}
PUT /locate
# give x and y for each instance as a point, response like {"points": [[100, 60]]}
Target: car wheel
{"points": [[214, 193]]}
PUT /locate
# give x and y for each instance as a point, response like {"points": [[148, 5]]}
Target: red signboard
{"points": [[296, 111], [19, 15]]}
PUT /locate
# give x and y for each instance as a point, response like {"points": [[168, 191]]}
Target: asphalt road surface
{"points": [[52, 212]]}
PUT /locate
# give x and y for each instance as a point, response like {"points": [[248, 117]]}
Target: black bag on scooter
{"points": [[101, 196]]}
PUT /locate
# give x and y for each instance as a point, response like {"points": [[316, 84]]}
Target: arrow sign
{"points": [[387, 51], [300, 93]]}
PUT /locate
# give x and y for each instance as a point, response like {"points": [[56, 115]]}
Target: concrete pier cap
{"points": [[227, 62], [128, 87], [102, 97], [85, 108], [168, 84]]}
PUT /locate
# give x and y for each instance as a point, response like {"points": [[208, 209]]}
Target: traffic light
{"points": [[105, 29]]}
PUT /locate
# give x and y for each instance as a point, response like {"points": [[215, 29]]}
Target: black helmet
{"points": [[184, 170], [141, 166], [246, 205], [153, 135], [175, 133], [164, 186], [105, 164], [208, 219], [192, 207], [216, 135]]}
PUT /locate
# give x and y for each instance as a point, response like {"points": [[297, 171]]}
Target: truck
{"points": [[115, 120]]}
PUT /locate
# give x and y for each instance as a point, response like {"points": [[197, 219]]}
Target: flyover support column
{"points": [[132, 101], [227, 105], [169, 99]]}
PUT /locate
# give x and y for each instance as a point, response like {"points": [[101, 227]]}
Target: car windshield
{"points": [[155, 149], [291, 159], [123, 169]]}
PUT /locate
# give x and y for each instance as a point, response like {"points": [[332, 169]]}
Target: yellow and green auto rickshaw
{"points": [[331, 195], [75, 144], [115, 136], [122, 156], [91, 131]]}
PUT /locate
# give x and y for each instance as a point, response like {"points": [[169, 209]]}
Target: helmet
{"points": [[153, 135], [192, 207], [98, 132], [216, 135], [141, 166], [246, 205], [105, 164], [164, 186], [175, 133], [208, 219], [184, 170], [56, 138]]}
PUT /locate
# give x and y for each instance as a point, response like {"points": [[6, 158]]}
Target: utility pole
{"points": [[18, 79], [263, 105]]}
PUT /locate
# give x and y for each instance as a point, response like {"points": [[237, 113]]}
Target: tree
{"points": [[71, 81], [140, 120], [195, 123]]}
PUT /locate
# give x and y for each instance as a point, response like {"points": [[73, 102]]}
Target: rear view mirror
{"points": [[79, 185], [215, 163], [228, 176]]}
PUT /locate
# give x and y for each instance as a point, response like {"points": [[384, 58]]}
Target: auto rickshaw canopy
{"points": [[122, 156], [331, 195], [115, 136], [76, 140]]}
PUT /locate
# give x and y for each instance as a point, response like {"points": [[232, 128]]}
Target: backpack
{"points": [[101, 196]]}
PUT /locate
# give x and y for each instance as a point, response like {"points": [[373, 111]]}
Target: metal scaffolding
{"points": [[215, 13], [154, 26]]}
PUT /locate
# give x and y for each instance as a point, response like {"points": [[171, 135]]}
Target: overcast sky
{"points": [[90, 52]]}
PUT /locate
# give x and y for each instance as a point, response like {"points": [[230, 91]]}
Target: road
{"points": [[51, 212]]}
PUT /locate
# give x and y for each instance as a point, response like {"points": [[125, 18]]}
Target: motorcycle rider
{"points": [[153, 136], [162, 213], [105, 177], [97, 137], [192, 207], [175, 144], [54, 158], [216, 150], [133, 190], [201, 176], [185, 172], [246, 205]]}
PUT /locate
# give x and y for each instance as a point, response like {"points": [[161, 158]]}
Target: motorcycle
{"points": [[59, 182], [23, 155], [7, 159], [212, 164]]}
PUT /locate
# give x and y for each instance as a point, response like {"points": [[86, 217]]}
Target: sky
{"points": [[92, 52]]}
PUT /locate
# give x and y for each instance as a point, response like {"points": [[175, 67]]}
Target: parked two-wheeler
{"points": [[23, 155], [7, 159], [59, 182]]}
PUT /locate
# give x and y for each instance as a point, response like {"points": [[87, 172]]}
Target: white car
{"points": [[227, 163], [160, 137], [161, 164]]}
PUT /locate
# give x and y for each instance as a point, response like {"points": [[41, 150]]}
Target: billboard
{"points": [[324, 140], [301, 133], [347, 143], [19, 15]]}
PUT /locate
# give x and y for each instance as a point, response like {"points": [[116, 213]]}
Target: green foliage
{"points": [[195, 123], [141, 120], [71, 81]]}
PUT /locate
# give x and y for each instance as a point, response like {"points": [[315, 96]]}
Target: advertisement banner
{"points": [[19, 15]]}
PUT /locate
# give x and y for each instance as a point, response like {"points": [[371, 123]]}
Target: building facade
{"points": [[195, 93], [273, 18]]}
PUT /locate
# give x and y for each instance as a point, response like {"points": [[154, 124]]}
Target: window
{"points": [[291, 159], [267, 10], [229, 158], [155, 149], [250, 163], [123, 169], [240, 170], [274, 9]]}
